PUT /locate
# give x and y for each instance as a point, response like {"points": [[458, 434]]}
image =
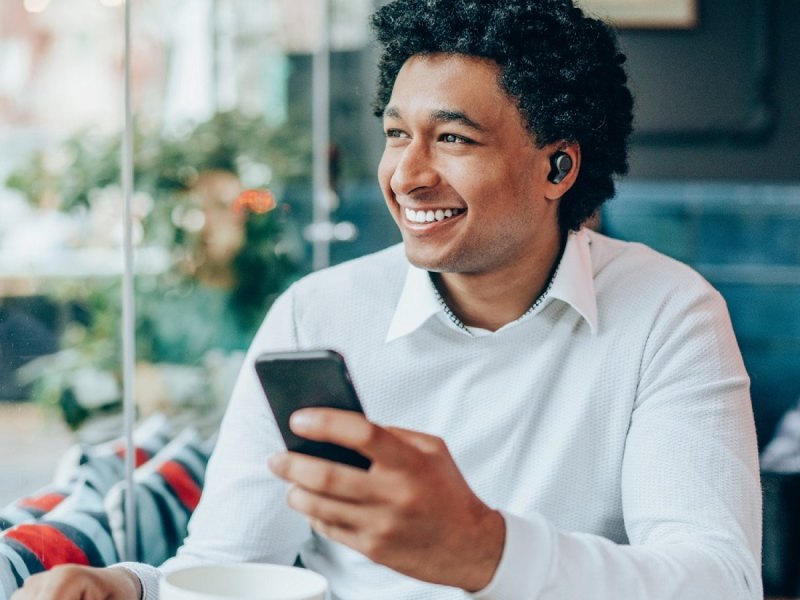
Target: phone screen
{"points": [[304, 379]]}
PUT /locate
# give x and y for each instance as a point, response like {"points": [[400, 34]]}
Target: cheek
{"points": [[386, 169], [476, 182]]}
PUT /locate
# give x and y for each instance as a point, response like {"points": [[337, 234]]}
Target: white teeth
{"points": [[429, 216]]}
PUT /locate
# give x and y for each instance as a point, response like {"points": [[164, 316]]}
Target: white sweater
{"points": [[612, 427]]}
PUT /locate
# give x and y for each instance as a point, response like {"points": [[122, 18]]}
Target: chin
{"points": [[421, 259], [425, 258]]}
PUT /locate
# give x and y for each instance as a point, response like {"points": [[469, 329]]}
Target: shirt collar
{"points": [[574, 284], [416, 305]]}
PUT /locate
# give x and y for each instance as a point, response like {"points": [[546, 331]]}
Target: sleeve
{"points": [[243, 515], [690, 482]]}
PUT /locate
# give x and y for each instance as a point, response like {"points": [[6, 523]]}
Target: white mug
{"points": [[248, 581]]}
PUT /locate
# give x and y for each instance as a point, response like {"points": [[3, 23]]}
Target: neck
{"points": [[494, 299]]}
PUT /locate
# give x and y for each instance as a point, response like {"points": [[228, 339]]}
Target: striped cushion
{"points": [[167, 492], [87, 527], [100, 466], [31, 508], [76, 531]]}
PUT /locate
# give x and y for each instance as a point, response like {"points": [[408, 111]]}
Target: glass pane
{"points": [[215, 152], [222, 207], [60, 99], [223, 173]]}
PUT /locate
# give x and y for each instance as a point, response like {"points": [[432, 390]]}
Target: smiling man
{"points": [[552, 413]]}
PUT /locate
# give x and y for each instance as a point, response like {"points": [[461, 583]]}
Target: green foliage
{"points": [[82, 175], [164, 163]]}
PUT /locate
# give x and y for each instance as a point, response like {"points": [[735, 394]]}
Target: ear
{"points": [[565, 164]]}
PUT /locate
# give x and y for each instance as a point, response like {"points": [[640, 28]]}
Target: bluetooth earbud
{"points": [[560, 165]]}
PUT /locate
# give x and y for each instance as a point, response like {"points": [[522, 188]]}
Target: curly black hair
{"points": [[563, 69]]}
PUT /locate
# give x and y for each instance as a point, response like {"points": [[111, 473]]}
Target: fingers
{"points": [[77, 582], [428, 444], [392, 450], [374, 543], [341, 518], [331, 512], [61, 582], [321, 476], [349, 429], [338, 533]]}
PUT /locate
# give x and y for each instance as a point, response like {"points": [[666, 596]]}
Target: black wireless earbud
{"points": [[560, 164]]}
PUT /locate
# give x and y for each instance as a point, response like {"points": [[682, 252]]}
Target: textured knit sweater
{"points": [[612, 427]]}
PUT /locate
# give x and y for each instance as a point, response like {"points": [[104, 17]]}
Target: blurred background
{"points": [[229, 208]]}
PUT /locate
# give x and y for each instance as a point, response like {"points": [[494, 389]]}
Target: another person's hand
{"points": [[411, 511], [76, 582]]}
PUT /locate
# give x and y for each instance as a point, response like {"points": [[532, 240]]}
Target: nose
{"points": [[415, 169]]}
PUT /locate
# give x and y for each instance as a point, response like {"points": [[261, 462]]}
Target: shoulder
{"points": [[664, 313], [641, 292], [622, 267], [384, 268], [356, 292]]}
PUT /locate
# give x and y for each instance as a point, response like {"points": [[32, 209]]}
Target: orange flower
{"points": [[257, 201]]}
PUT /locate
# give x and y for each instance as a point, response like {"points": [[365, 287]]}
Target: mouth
{"points": [[423, 217]]}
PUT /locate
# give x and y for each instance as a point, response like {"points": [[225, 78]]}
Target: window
{"points": [[221, 204]]}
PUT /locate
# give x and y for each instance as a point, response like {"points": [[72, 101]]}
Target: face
{"points": [[460, 173]]}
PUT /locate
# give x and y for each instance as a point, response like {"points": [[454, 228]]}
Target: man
{"points": [[553, 414]]}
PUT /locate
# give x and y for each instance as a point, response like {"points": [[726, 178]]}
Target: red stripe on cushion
{"points": [[45, 502], [50, 546], [141, 455], [185, 488]]}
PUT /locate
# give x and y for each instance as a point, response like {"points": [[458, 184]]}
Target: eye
{"points": [[395, 133], [452, 138]]}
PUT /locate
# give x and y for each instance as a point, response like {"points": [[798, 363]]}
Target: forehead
{"points": [[452, 82]]}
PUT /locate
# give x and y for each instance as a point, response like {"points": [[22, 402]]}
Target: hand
{"points": [[411, 511], [76, 582]]}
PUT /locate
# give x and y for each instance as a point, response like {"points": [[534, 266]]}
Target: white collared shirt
{"points": [[574, 286], [611, 426]]}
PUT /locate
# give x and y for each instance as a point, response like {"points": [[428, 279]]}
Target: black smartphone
{"points": [[305, 379]]}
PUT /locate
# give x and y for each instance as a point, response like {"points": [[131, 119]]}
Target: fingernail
{"points": [[274, 461], [301, 419]]}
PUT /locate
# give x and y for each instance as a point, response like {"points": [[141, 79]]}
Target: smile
{"points": [[431, 216]]}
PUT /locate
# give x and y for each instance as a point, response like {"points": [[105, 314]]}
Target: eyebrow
{"points": [[441, 116]]}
